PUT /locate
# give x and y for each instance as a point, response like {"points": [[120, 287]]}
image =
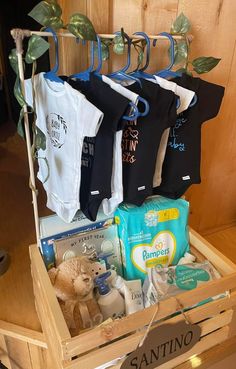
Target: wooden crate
{"points": [[102, 344]]}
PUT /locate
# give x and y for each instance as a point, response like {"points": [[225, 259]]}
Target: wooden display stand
{"points": [[118, 338], [105, 343]]}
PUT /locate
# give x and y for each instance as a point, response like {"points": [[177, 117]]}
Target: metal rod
{"points": [[18, 37]]}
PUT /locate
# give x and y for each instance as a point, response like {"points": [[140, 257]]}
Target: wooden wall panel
{"points": [[98, 12], [73, 56], [158, 17], [214, 30]]}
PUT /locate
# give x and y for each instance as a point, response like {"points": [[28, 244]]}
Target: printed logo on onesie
{"points": [[174, 142], [56, 129], [130, 141]]}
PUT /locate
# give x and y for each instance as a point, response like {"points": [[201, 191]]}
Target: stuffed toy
{"points": [[73, 284]]}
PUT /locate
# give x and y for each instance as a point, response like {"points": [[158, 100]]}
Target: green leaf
{"points": [[80, 26], [140, 57], [18, 93], [48, 14], [13, 60], [106, 41], [37, 46], [184, 70], [20, 127], [180, 25], [204, 64], [105, 50], [119, 45], [181, 52], [40, 140]]}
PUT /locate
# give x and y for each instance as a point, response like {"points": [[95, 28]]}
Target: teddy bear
{"points": [[74, 287]]}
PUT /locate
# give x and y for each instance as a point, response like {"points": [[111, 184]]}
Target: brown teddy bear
{"points": [[73, 284]]}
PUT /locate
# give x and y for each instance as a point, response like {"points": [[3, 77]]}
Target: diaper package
{"points": [[155, 233]]}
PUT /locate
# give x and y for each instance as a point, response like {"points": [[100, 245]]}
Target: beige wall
{"points": [[213, 203]]}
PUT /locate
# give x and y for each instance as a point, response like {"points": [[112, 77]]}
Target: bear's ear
{"points": [[52, 273]]}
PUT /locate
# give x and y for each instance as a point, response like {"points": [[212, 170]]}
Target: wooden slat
{"points": [[4, 353], [219, 321], [18, 353], [36, 358], [221, 262], [113, 351], [50, 330], [23, 334], [53, 343], [89, 340], [40, 358], [42, 281]]}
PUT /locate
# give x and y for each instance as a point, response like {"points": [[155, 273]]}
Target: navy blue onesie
{"points": [[141, 140], [181, 167], [97, 153]]}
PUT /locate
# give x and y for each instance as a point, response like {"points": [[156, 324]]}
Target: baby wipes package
{"points": [[177, 279], [155, 233]]}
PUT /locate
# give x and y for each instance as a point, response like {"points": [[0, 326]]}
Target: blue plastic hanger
{"points": [[122, 75], [52, 74], [139, 73], [167, 72], [85, 75]]}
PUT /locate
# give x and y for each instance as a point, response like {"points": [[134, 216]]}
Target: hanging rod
{"points": [[28, 33]]}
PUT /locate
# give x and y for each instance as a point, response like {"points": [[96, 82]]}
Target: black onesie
{"points": [[181, 167], [141, 140], [97, 153]]}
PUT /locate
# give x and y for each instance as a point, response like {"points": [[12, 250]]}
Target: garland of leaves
{"points": [[48, 13]]}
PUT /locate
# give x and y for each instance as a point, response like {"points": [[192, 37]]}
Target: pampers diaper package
{"points": [[155, 233]]}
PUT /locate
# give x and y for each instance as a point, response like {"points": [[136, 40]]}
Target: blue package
{"points": [[155, 233]]}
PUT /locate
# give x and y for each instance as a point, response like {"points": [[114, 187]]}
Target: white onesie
{"points": [[110, 205], [185, 97], [65, 116]]}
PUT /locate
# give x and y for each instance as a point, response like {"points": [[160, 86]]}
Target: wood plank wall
{"points": [[213, 203]]}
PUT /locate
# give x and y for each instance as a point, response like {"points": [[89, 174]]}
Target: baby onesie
{"points": [[181, 166], [141, 140], [185, 97], [110, 205], [97, 156], [62, 115]]}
